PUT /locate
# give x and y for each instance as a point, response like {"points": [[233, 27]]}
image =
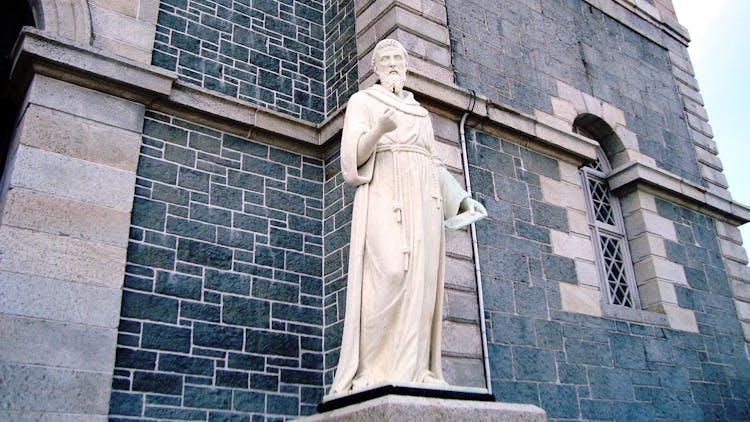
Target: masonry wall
{"points": [[65, 208], [515, 52], [222, 302], [265, 52], [341, 54], [201, 248], [578, 366]]}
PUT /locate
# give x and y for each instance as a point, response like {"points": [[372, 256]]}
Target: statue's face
{"points": [[390, 66]]}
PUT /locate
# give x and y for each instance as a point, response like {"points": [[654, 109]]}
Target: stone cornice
{"points": [[490, 114], [665, 184], [41, 53], [648, 13]]}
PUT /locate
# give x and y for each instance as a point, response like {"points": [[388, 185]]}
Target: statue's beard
{"points": [[393, 83]]}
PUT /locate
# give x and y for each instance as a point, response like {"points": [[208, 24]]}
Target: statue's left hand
{"points": [[472, 206]]}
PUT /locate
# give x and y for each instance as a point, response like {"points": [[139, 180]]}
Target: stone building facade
{"points": [[174, 225]]}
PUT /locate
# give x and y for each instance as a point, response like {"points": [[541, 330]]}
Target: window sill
{"points": [[634, 315]]}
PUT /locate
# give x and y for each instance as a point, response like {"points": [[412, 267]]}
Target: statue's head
{"points": [[389, 62]]}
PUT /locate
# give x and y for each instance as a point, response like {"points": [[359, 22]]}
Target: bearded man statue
{"points": [[404, 196]]}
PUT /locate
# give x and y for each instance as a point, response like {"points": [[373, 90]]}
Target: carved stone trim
{"points": [[64, 18], [666, 184], [40, 52]]}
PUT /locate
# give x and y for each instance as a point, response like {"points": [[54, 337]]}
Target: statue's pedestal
{"points": [[391, 403]]}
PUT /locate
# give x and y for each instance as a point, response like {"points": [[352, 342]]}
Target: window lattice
{"points": [[609, 232], [597, 165], [601, 200], [614, 266]]}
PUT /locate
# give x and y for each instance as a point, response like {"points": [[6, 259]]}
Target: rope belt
{"points": [[398, 189]]}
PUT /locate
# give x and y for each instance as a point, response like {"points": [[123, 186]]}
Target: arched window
{"points": [[606, 222], [16, 14]]}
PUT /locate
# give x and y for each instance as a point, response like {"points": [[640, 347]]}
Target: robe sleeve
{"points": [[356, 123], [451, 191]]}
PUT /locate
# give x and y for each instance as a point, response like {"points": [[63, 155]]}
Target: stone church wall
{"points": [[515, 52], [222, 301], [591, 367], [175, 226]]}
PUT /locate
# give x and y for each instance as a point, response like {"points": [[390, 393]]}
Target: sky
{"points": [[720, 53]]}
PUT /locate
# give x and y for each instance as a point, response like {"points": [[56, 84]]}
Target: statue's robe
{"points": [[392, 328]]}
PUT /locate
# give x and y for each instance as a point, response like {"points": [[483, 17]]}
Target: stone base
{"points": [[441, 391], [410, 408]]}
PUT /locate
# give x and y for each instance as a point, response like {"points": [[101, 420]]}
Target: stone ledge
{"points": [[89, 67], [647, 12], [663, 182], [634, 315], [545, 137], [397, 407], [43, 53], [39, 52]]}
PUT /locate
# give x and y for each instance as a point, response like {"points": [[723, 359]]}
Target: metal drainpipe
{"points": [[474, 246]]}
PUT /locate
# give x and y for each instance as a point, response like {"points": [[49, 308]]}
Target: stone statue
{"points": [[404, 196]]}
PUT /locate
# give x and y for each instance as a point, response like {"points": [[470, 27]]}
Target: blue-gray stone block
{"points": [[534, 364], [597, 410], [203, 253], [301, 377], [227, 417], [548, 334], [549, 215], [516, 392], [498, 294], [500, 358], [584, 352], [165, 132], [178, 285], [165, 337], [150, 256], [157, 383], [135, 359], [572, 374], [628, 352], [172, 413], [282, 405], [227, 282], [264, 382], [217, 336], [296, 313], [125, 404], [246, 361], [530, 301], [559, 401], [185, 364], [559, 268], [200, 311], [232, 379], [269, 342], [245, 312], [249, 401], [512, 330], [148, 307], [210, 398], [612, 384], [149, 214], [633, 411]]}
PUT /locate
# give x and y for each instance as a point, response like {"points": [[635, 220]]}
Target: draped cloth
{"points": [[392, 326]]}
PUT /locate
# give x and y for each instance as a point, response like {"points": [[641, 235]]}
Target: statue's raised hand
{"points": [[472, 206], [387, 121]]}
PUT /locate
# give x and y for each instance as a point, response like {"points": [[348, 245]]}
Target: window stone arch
{"points": [[608, 232], [64, 18]]}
